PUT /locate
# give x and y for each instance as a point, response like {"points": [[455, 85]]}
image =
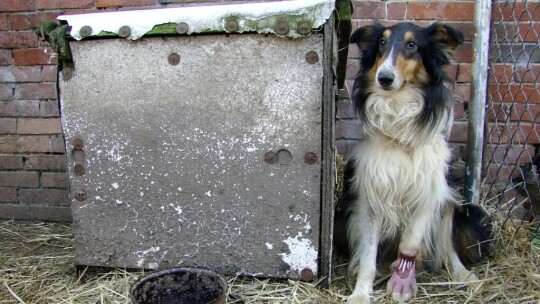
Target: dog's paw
{"points": [[402, 288], [468, 277], [358, 299]]}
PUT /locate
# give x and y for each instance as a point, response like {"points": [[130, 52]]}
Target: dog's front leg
{"points": [[364, 232], [402, 283]]}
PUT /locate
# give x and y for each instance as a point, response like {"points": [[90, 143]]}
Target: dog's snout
{"points": [[386, 78]]}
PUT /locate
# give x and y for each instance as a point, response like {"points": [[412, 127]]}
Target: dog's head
{"points": [[405, 53]]}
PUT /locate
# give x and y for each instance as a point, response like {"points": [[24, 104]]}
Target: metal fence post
{"points": [[477, 108]]}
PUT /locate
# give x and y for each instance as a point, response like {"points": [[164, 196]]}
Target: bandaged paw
{"points": [[402, 283]]}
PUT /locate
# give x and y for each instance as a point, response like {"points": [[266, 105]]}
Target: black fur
{"points": [[471, 233]]}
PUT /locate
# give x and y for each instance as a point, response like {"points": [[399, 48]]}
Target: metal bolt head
{"points": [[78, 143], [307, 275], [303, 27], [310, 158], [79, 169], [231, 25], [85, 31], [174, 59], [270, 157], [182, 28], [312, 57], [282, 28], [80, 195], [124, 31]]}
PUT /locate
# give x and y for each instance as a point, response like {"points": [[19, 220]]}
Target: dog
{"points": [[398, 207]]}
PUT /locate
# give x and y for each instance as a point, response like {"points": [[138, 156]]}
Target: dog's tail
{"points": [[471, 233]]}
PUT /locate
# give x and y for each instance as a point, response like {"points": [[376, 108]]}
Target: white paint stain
{"points": [[115, 185], [269, 246], [302, 254]]}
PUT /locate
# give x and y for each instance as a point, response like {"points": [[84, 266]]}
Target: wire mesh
{"points": [[512, 151]]}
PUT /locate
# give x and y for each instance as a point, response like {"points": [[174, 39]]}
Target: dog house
{"points": [[202, 136]]}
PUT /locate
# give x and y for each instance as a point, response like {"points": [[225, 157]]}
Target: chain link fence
{"points": [[512, 149]]}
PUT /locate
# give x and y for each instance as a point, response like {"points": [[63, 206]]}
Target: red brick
{"points": [[527, 73], [11, 162], [29, 21], [47, 4], [49, 73], [514, 93], [34, 56], [20, 39], [443, 11], [49, 197], [8, 125], [49, 109], [345, 147], [57, 144], [16, 5], [366, 10], [19, 179], [501, 173], [501, 73], [20, 74], [54, 180], [6, 91], [79, 3], [19, 108], [34, 144], [4, 22], [111, 3], [39, 126], [46, 162], [345, 109], [466, 28], [396, 10], [8, 144], [353, 66], [451, 71], [459, 111], [464, 53], [459, 132], [529, 32], [8, 195], [463, 91], [348, 129], [44, 90], [6, 57]]}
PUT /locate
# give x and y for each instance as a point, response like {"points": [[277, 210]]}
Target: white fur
{"points": [[401, 186]]}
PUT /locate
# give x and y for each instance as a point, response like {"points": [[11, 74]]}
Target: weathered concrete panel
{"points": [[167, 164]]}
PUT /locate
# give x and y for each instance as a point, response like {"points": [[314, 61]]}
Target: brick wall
{"points": [[33, 178]]}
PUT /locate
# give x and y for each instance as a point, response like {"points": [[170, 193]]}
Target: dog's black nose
{"points": [[385, 78]]}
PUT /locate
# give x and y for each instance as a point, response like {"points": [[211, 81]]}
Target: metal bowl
{"points": [[180, 286]]}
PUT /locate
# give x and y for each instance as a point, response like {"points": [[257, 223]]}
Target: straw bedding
{"points": [[36, 266]]}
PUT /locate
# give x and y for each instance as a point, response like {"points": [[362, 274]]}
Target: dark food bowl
{"points": [[180, 286]]}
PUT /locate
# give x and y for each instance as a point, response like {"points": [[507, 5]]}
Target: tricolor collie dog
{"points": [[399, 207]]}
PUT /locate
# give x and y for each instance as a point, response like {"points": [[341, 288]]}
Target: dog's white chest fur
{"points": [[400, 169]]}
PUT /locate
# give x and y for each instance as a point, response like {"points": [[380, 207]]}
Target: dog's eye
{"points": [[411, 44], [382, 42]]}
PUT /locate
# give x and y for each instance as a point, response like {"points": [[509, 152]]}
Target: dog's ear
{"points": [[446, 35], [367, 35]]}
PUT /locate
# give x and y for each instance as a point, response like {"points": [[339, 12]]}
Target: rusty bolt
{"points": [[182, 28], [85, 31], [282, 28], [303, 28], [80, 195], [270, 157], [79, 170], [174, 59], [124, 31], [307, 275], [312, 57], [67, 74], [78, 143], [231, 25], [310, 158]]}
